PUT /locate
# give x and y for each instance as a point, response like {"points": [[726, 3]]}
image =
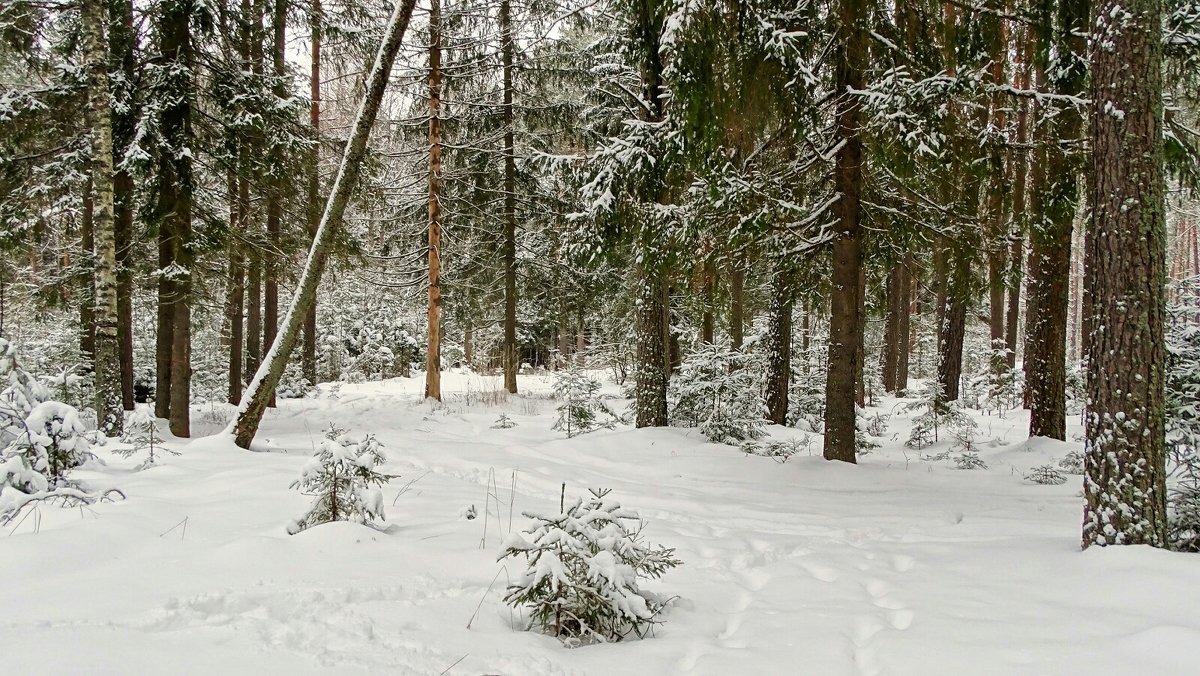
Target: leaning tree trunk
{"points": [[433, 343], [254, 403], [509, 347], [1124, 450], [110, 412], [779, 349], [1050, 234], [845, 316]]}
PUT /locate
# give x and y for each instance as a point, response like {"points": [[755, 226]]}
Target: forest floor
{"points": [[896, 566]]}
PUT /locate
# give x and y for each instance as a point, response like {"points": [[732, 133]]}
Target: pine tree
{"points": [[1124, 486]]}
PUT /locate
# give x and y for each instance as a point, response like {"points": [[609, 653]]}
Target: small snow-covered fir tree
{"points": [[969, 460], [581, 410], [54, 440], [780, 450], [141, 434], [1183, 418], [20, 392], [1047, 475], [719, 391], [504, 422], [806, 401], [51, 441], [343, 480], [1072, 463], [583, 571], [1000, 387], [936, 416]]}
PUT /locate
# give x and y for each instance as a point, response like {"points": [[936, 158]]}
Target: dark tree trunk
{"points": [[308, 356], [164, 339], [905, 345], [892, 335], [254, 332], [651, 376], [176, 169], [1050, 234], [1124, 453], [509, 347], [236, 291], [121, 43], [275, 188], [845, 318], [951, 336], [255, 401], [670, 336], [707, 327], [737, 304], [779, 349]]}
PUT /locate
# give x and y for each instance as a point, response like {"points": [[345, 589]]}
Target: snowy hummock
{"points": [[896, 566]]}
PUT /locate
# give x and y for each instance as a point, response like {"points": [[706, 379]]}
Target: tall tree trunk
{"points": [[254, 10], [860, 348], [275, 187], [953, 330], [737, 303], [235, 291], [176, 47], [1050, 233], [254, 332], [845, 317], [1018, 172], [87, 291], [892, 337], [509, 347], [1124, 452], [904, 330], [707, 327], [121, 43], [469, 341], [779, 349], [670, 337], [165, 324], [997, 232], [110, 412], [433, 350], [651, 375], [267, 378], [308, 356]]}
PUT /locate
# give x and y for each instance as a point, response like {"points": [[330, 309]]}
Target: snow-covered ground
{"points": [[895, 566]]}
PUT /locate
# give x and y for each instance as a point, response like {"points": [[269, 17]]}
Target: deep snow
{"points": [[895, 566]]}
